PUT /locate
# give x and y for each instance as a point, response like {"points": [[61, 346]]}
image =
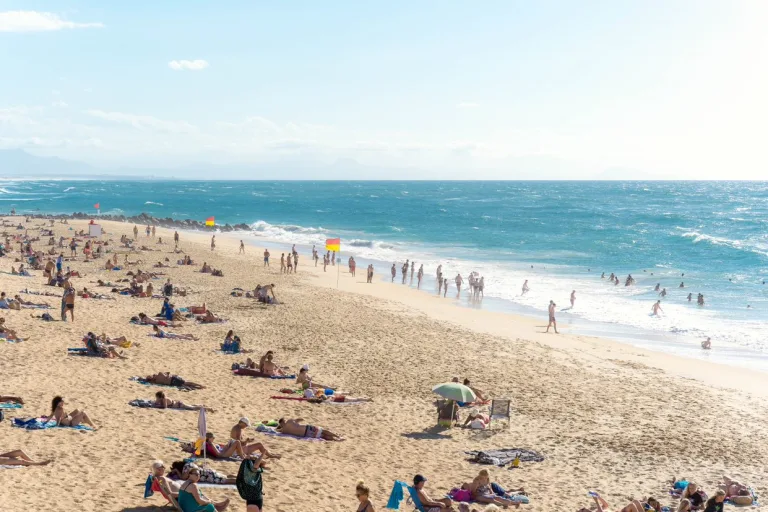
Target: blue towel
{"points": [[148, 487], [7, 405], [396, 496], [139, 402], [42, 424]]}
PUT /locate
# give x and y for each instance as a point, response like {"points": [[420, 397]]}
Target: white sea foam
{"points": [[69, 188], [151, 202]]}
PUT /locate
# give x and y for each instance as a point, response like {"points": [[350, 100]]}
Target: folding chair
{"points": [[500, 410]]}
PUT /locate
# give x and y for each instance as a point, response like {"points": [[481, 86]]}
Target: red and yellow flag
{"points": [[333, 244], [210, 221], [96, 206]]}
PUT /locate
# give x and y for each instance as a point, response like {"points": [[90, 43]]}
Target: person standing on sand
{"points": [[439, 285], [459, 281], [60, 262], [352, 265], [68, 303], [481, 286], [333, 259], [213, 242], [148, 230], [656, 308], [266, 257], [295, 262], [445, 287], [526, 289], [315, 255], [135, 232], [552, 321], [393, 272], [413, 264], [573, 298], [370, 273], [282, 263], [153, 232], [439, 273], [176, 239], [325, 262], [405, 271], [288, 265], [242, 248], [419, 276]]}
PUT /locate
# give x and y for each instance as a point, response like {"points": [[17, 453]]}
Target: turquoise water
{"points": [[571, 232]]}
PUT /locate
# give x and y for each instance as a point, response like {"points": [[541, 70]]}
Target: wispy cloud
{"points": [[35, 21], [143, 122], [467, 104], [188, 65]]}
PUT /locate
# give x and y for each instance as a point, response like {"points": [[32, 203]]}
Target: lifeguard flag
{"points": [[96, 206], [210, 221], [333, 244]]}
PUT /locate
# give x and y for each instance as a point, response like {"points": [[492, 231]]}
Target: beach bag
{"points": [[248, 481], [460, 495]]}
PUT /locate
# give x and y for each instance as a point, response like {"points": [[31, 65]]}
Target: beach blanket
{"points": [[504, 456], [139, 402], [270, 431], [42, 423], [10, 405], [256, 373], [11, 467], [19, 340], [78, 351], [754, 504]]}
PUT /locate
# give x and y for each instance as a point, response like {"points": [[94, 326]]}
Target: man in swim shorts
{"points": [[292, 427], [266, 257]]}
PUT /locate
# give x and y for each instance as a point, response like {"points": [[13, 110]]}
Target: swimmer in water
{"points": [[682, 285], [690, 296], [658, 286], [525, 287], [602, 276], [663, 293], [656, 308], [707, 343], [573, 298]]}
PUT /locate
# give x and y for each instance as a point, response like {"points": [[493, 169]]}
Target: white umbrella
{"points": [[202, 428]]}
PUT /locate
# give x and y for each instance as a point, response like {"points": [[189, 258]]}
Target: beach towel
{"points": [[144, 382], [78, 351], [42, 423], [10, 405], [397, 495], [504, 456], [270, 431], [139, 402], [752, 493], [11, 467]]}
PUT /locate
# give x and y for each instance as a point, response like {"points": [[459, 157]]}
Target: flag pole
{"points": [[338, 264]]}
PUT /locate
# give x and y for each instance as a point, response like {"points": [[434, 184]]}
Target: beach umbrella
{"points": [[202, 428], [455, 391]]}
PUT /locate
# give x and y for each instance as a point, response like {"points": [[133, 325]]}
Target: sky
{"points": [[494, 89]]}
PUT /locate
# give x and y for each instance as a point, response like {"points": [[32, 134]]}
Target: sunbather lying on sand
{"points": [[180, 470], [159, 333], [233, 447], [306, 381], [209, 318], [146, 320], [161, 402], [167, 379], [71, 419], [293, 427], [95, 346], [17, 298], [318, 395], [738, 493], [19, 458], [160, 264], [634, 505], [9, 398], [476, 419]]}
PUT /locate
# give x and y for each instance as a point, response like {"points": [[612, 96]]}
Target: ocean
{"points": [[561, 236]]}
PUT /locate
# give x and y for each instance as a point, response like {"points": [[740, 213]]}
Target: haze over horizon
{"points": [[506, 90]]}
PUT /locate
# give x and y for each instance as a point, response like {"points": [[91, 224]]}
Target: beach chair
{"points": [[447, 411], [500, 410], [397, 496], [153, 484]]}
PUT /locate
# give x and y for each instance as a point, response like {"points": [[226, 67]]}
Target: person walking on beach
{"points": [[439, 273], [68, 303], [459, 282], [405, 271], [242, 248], [135, 232], [153, 232], [295, 262], [176, 239], [419, 276], [213, 242], [282, 263], [525, 288], [393, 272], [266, 257], [59, 262], [445, 287], [325, 262], [552, 321], [370, 273], [333, 258], [439, 285], [148, 230], [480, 287], [288, 264], [573, 298], [352, 266], [656, 308], [315, 255]]}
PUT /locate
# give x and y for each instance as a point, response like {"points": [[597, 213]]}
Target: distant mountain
{"points": [[17, 163]]}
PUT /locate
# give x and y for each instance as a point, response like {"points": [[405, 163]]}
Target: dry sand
{"points": [[605, 415]]}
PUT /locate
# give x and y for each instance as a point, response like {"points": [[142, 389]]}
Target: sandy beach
{"points": [[606, 416]]}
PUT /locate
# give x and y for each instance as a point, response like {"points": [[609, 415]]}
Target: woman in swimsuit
{"points": [[363, 492], [161, 402], [306, 381], [65, 419], [19, 458], [192, 500], [159, 333]]}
